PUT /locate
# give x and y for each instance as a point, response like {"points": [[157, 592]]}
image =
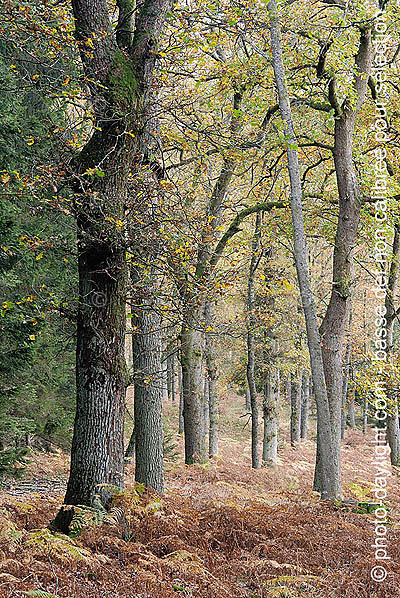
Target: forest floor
{"points": [[220, 530]]}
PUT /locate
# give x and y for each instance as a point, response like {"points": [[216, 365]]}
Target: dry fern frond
{"points": [[58, 544]]}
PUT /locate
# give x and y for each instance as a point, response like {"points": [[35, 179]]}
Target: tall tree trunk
{"points": [[247, 398], [270, 416], [330, 481], [192, 346], [147, 355], [305, 404], [365, 414], [334, 324], [295, 412], [251, 325], [173, 377], [118, 72], [181, 425], [212, 383], [392, 422]]}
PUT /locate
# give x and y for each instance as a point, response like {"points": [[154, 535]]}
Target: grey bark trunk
{"points": [[305, 404], [329, 480], [251, 326], [270, 416], [192, 345], [211, 367], [147, 355], [181, 425], [295, 412]]}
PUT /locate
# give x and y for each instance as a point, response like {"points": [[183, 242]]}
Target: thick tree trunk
{"points": [[295, 412], [206, 393], [305, 404], [329, 480], [333, 326], [118, 71], [270, 416], [173, 377]]}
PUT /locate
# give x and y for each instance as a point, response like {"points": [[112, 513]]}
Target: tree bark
{"points": [[305, 404], [295, 412], [118, 72], [392, 422], [192, 345], [251, 326], [329, 480], [147, 355], [211, 367], [270, 416]]}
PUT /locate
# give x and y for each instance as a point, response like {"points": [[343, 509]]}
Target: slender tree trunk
{"points": [[169, 377], [305, 404], [130, 449], [173, 378], [212, 383], [295, 412], [251, 325], [247, 397], [192, 346], [181, 425], [147, 355], [392, 422], [365, 415], [270, 416], [329, 480]]}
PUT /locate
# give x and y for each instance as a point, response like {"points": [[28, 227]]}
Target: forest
{"points": [[199, 303]]}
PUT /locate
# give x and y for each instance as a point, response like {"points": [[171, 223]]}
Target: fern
{"points": [[62, 546]]}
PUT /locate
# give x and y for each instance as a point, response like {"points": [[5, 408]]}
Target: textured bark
{"points": [[329, 481], [119, 82], [251, 325], [270, 416], [206, 407], [192, 345], [211, 368], [130, 449], [173, 377], [295, 412], [247, 398], [147, 352], [305, 404], [334, 324], [181, 425]]}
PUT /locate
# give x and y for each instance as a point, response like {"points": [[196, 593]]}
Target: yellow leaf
{"points": [[31, 140]]}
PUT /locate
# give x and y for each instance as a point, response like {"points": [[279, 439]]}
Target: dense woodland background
{"points": [[188, 261]]}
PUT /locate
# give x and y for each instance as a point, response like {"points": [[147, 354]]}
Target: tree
{"points": [[117, 63]]}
